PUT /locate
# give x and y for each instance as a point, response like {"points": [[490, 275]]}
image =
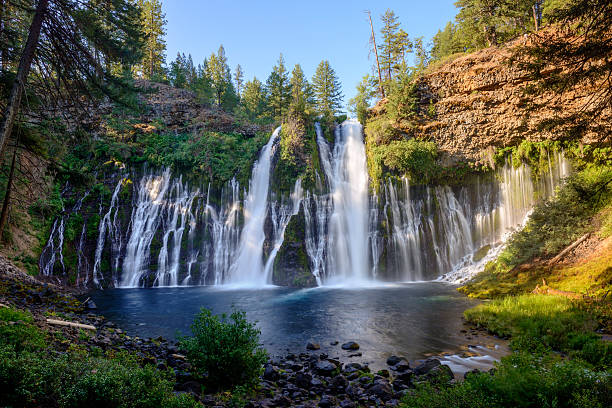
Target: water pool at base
{"points": [[411, 320]]}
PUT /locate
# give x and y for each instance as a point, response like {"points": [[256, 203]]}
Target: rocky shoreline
{"points": [[310, 378]]}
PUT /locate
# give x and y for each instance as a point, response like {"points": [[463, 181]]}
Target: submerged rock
{"points": [[351, 345], [313, 346]]}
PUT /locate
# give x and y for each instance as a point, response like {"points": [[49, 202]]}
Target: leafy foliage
{"points": [[224, 351]]}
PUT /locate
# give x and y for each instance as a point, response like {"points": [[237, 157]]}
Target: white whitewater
{"points": [[248, 268], [144, 222], [280, 220], [347, 179]]}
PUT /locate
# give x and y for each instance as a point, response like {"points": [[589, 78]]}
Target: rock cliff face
{"points": [[481, 100]]}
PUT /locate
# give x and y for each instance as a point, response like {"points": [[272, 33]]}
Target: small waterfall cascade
{"points": [[224, 235], [53, 250], [248, 268], [280, 216]]}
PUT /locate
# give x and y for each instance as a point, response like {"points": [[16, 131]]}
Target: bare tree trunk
{"points": [[2, 51], [535, 17], [382, 91], [12, 106], [7, 196]]}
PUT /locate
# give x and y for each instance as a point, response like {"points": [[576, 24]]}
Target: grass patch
{"points": [[539, 323]]}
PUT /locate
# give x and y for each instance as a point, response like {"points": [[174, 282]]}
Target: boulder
{"points": [[393, 360], [313, 346], [325, 368], [351, 345], [426, 366]]}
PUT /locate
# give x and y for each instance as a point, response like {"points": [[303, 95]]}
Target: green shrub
{"points": [[77, 380], [225, 351], [17, 330], [413, 158], [522, 380]]}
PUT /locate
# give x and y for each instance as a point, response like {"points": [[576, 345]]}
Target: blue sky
{"points": [[254, 33]]}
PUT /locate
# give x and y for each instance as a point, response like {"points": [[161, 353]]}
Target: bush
{"points": [[522, 380], [225, 351], [17, 330], [75, 380]]}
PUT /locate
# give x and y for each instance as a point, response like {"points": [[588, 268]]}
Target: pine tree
{"points": [[388, 46], [239, 80], [327, 90], [359, 104], [178, 72], [446, 42], [254, 99], [220, 77], [279, 90], [301, 92], [153, 21]]}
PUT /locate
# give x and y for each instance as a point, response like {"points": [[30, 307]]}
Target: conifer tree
{"points": [[327, 90], [239, 79], [301, 92], [278, 89], [178, 71], [388, 46], [153, 21], [254, 99], [359, 104], [220, 77]]}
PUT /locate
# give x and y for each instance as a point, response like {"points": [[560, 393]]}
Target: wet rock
{"points": [[327, 401], [383, 373], [401, 366], [338, 383], [405, 376], [303, 380], [393, 360], [381, 390], [325, 368], [313, 346], [347, 404], [352, 367], [355, 355], [192, 387], [270, 373], [90, 305], [334, 343], [351, 345], [427, 366], [441, 374]]}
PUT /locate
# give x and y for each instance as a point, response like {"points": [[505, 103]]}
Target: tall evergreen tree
{"points": [[218, 72], [388, 47], [446, 42], [178, 71], [359, 104], [239, 80], [327, 90], [72, 46], [301, 92], [278, 89], [254, 99], [153, 21]]}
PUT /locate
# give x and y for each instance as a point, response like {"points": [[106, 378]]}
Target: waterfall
{"points": [[177, 235], [248, 268], [105, 225], [150, 197], [347, 179], [225, 234]]}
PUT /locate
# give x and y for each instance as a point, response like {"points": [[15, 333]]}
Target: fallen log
{"points": [[71, 324], [568, 249]]}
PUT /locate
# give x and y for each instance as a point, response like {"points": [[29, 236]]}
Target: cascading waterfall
{"points": [[280, 220], [347, 254], [248, 268], [144, 224], [178, 234]]}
